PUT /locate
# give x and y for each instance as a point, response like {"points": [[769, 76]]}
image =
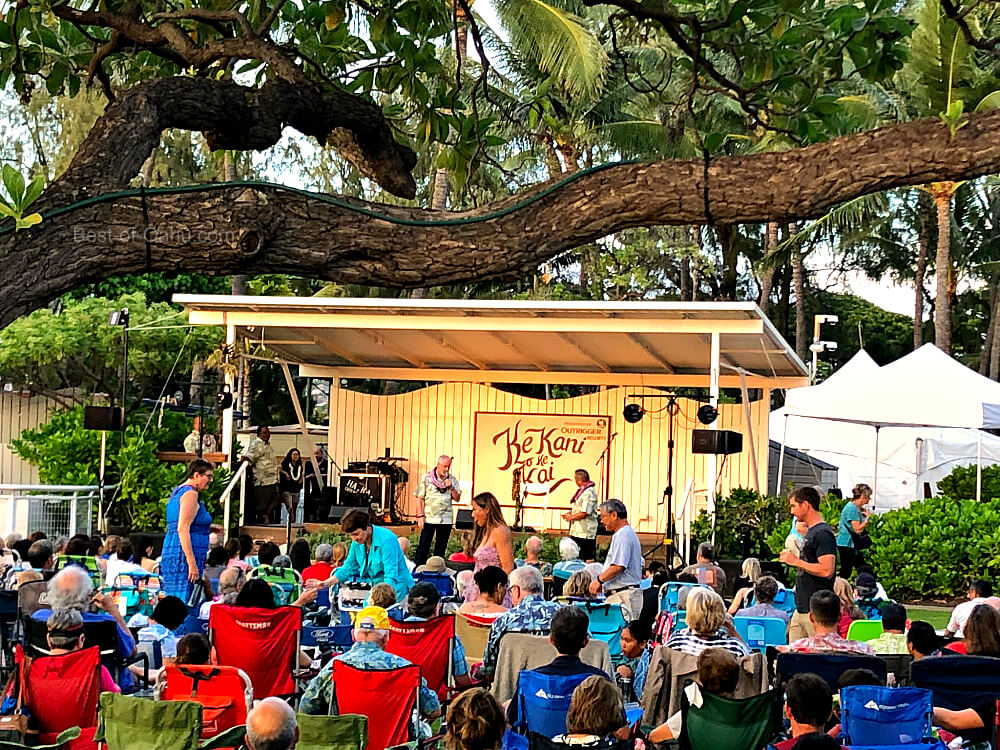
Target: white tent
{"points": [[910, 414]]}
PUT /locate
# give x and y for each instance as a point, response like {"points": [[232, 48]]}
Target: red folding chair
{"points": [[60, 692], [388, 697], [225, 693], [429, 646], [264, 643]]}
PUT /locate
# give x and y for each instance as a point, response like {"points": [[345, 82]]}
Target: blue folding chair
{"points": [[761, 632], [959, 682], [337, 637], [785, 601], [606, 623], [442, 582], [873, 715], [670, 594], [542, 702]]}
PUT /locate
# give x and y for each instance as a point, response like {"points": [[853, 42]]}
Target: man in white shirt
{"points": [[979, 591], [622, 572]]}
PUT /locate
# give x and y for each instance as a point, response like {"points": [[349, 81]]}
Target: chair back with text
{"points": [[543, 702], [224, 693], [521, 651], [874, 715], [387, 697], [31, 597], [733, 724], [829, 666], [336, 637], [60, 692], [606, 624], [264, 643], [347, 732], [761, 632], [864, 630], [428, 645]]}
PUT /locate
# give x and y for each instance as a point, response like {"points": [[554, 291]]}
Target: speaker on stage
{"points": [[337, 512], [463, 519], [720, 442], [103, 418], [365, 489], [318, 505]]}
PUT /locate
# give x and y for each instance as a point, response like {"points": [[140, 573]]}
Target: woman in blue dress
{"points": [[186, 542]]}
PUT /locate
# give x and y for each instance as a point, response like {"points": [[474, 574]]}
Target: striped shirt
{"points": [[690, 642]]}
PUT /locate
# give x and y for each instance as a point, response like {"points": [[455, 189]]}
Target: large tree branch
{"points": [[231, 117], [258, 229]]}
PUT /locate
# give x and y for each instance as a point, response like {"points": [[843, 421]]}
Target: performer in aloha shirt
{"points": [[435, 493], [582, 517]]}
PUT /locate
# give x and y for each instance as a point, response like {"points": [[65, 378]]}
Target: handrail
{"points": [[53, 487], [224, 497]]}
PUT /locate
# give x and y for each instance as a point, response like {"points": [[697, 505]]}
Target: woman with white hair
{"points": [[570, 562], [749, 573], [707, 626]]}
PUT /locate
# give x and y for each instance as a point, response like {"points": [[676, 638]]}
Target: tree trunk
{"points": [[696, 235], [993, 333], [238, 283], [799, 284], [767, 266], [942, 192], [987, 347], [920, 271], [727, 234]]}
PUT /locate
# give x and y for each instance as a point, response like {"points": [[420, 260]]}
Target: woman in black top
{"points": [[291, 477]]}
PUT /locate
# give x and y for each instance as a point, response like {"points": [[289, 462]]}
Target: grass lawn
{"points": [[936, 617]]}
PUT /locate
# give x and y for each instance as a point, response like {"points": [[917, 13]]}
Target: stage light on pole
{"points": [[707, 414], [633, 413]]}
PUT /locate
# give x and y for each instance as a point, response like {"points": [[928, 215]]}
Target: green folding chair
{"points": [[864, 630], [286, 583], [347, 732], [127, 723], [87, 563], [64, 737], [744, 724]]}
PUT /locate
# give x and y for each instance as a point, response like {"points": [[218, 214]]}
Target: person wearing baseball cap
{"points": [[371, 633]]}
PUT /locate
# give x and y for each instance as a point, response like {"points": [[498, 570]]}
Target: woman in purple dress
{"points": [[492, 540], [186, 543]]}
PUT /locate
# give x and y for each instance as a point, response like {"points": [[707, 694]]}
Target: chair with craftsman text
{"points": [[262, 642], [387, 697], [428, 644]]}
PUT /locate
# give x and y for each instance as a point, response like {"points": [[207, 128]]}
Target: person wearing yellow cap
{"points": [[371, 632]]}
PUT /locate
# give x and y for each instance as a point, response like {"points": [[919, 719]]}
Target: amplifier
{"points": [[463, 519], [371, 490], [720, 442]]}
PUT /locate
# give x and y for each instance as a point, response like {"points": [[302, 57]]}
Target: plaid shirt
{"points": [[828, 642], [532, 613], [318, 697]]}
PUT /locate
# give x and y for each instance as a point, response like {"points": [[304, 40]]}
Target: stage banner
{"points": [[541, 450]]}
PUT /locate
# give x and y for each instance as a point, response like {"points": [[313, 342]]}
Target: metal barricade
{"points": [[58, 510]]}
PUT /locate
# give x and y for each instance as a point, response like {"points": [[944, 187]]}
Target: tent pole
{"points": [[781, 457], [875, 480], [979, 467]]}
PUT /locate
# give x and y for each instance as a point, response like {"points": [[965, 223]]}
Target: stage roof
{"points": [[599, 343]]}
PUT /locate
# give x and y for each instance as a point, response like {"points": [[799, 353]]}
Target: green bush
{"points": [[744, 522], [66, 453], [961, 483]]}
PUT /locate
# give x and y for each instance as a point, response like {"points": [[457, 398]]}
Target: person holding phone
{"points": [[436, 492]]}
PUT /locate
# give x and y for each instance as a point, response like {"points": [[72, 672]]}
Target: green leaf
{"points": [[32, 192], [28, 221], [990, 101], [14, 184]]}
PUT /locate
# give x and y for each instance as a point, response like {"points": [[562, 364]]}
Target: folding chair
{"points": [[670, 594], [871, 715], [761, 632], [87, 563], [474, 634], [744, 724], [829, 666], [443, 582], [138, 724], [428, 645], [389, 698], [606, 624], [264, 643], [132, 600], [150, 581], [285, 582], [225, 693], [864, 630], [538, 741], [959, 682], [333, 637], [102, 634], [543, 702], [346, 732], [785, 601], [60, 692]]}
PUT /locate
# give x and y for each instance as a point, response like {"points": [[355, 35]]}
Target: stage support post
{"points": [[713, 398]]}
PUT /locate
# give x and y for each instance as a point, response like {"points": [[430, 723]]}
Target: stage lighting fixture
{"points": [[119, 318], [224, 399], [707, 414], [633, 413]]}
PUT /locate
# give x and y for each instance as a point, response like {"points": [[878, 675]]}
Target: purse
{"points": [[861, 541], [14, 727]]}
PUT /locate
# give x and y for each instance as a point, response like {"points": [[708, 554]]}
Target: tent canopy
{"points": [[926, 388]]}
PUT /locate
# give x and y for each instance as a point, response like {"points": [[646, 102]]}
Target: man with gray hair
{"points": [[532, 549], [435, 493], [231, 580], [321, 569], [71, 588], [530, 613], [271, 725], [705, 569], [404, 545], [622, 572]]}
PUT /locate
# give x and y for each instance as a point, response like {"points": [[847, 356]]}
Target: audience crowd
{"points": [[706, 624]]}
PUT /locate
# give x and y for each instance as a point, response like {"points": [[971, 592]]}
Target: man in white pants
{"points": [[623, 566]]}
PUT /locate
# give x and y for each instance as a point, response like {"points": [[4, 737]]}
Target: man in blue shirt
{"points": [[374, 557], [71, 588], [622, 572], [530, 614]]}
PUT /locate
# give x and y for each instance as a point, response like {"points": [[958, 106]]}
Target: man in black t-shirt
{"points": [[816, 562]]}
